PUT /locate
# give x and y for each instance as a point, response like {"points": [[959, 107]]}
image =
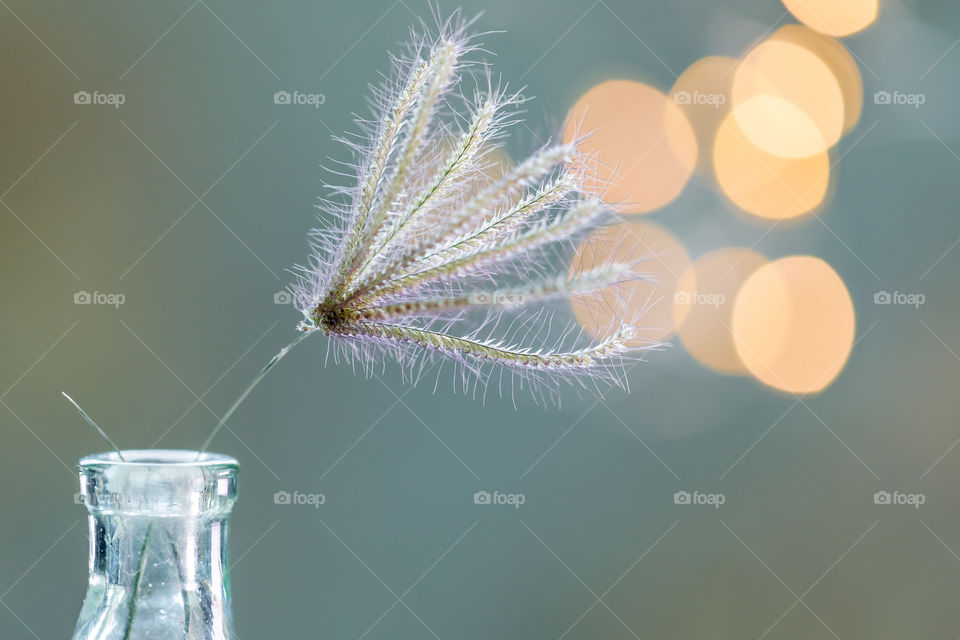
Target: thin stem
{"points": [[83, 414], [274, 360], [184, 595], [142, 564]]}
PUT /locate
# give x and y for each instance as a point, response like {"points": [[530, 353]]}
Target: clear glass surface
{"points": [[158, 528]]}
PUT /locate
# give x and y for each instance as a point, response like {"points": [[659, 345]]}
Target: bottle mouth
{"points": [[158, 483], [158, 458]]}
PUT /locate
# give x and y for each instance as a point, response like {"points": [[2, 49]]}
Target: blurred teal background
{"points": [[193, 197]]}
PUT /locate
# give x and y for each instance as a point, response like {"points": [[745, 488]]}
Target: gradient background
{"points": [[599, 550]]}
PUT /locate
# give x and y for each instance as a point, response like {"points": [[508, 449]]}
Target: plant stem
{"points": [[306, 331], [83, 414], [132, 610]]}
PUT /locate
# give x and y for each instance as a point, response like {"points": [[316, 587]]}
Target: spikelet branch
{"points": [[374, 173], [584, 216], [506, 299], [581, 359], [501, 227], [458, 162], [385, 221]]}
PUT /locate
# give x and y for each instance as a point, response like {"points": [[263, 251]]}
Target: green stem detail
{"points": [[132, 611]]}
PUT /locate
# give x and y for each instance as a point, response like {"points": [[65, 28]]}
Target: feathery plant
{"points": [[423, 240]]}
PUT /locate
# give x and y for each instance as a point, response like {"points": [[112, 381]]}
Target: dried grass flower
{"points": [[426, 254]]}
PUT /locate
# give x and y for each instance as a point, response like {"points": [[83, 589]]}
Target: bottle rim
{"points": [[157, 458]]}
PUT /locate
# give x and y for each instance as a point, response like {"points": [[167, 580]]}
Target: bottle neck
{"points": [[144, 569], [119, 545], [158, 551]]}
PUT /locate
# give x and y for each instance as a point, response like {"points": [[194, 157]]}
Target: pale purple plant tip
{"points": [[425, 254]]}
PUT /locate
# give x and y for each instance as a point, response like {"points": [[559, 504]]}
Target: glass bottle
{"points": [[158, 545]]}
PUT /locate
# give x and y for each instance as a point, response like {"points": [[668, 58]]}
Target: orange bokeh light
{"points": [[834, 17], [787, 100], [649, 305], [703, 305], [765, 184], [793, 324], [641, 146], [833, 54]]}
